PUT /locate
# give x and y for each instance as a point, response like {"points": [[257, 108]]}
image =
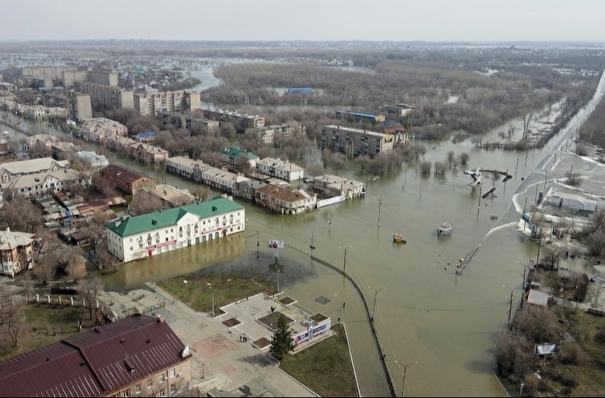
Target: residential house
{"points": [[91, 157], [247, 188], [136, 356], [16, 250], [219, 179], [100, 128], [231, 155], [63, 150], [400, 134], [182, 165], [332, 185], [148, 153], [145, 235], [125, 179], [281, 169], [283, 201]]}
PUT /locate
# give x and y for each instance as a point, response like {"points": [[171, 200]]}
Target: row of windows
{"points": [[137, 390]]}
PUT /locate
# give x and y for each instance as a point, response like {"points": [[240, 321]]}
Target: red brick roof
{"points": [[122, 173], [94, 363]]}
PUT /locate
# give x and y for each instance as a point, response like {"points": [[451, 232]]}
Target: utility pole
{"points": [[380, 199]]}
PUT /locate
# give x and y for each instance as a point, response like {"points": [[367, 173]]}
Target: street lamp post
{"points": [[405, 369], [510, 301], [374, 306], [257, 244], [311, 246]]}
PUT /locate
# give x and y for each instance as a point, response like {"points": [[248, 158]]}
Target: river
{"points": [[423, 311]]}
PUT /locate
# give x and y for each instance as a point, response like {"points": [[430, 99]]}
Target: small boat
{"points": [[398, 238], [375, 178]]}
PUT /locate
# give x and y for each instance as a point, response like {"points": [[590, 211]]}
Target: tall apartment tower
{"points": [[79, 105], [106, 78], [152, 104], [109, 96]]}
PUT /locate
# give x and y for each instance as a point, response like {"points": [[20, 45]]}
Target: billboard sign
{"points": [[276, 244]]}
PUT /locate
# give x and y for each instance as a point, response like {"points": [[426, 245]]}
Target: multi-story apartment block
{"points": [[152, 104], [268, 134], [354, 142], [15, 251], [241, 120], [135, 356], [183, 166], [108, 96], [359, 116], [194, 125], [79, 105], [103, 77], [281, 169], [145, 235]]}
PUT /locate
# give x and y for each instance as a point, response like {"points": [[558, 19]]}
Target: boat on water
{"points": [[6, 133], [398, 238]]}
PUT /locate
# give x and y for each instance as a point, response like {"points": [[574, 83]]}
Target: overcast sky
{"points": [[397, 20]]}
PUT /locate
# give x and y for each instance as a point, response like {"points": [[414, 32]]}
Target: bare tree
{"points": [[200, 193], [440, 168], [314, 169], [425, 167], [464, 158], [143, 203], [89, 290], [12, 317]]}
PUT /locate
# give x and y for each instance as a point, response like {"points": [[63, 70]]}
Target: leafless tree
{"points": [[440, 168], [464, 158], [200, 193], [12, 317], [89, 290], [143, 203], [425, 167], [314, 169]]}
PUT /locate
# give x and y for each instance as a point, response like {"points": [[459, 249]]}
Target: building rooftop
{"points": [[122, 173], [355, 131], [95, 363], [165, 218], [33, 165], [11, 240]]}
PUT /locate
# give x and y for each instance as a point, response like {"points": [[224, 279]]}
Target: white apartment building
{"points": [[152, 104], [282, 169], [146, 235]]}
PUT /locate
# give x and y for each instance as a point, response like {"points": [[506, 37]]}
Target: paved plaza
{"points": [[230, 350]]}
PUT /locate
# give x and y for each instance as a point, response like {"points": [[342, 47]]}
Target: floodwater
{"points": [[423, 311]]}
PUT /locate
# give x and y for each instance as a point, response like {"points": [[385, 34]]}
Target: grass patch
{"points": [[47, 324], [324, 367], [227, 288]]}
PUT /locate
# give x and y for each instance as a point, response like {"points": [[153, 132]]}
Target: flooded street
{"points": [[423, 311]]}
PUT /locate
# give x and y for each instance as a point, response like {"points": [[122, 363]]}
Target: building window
{"points": [[172, 373], [150, 383], [172, 388], [161, 378], [137, 389]]}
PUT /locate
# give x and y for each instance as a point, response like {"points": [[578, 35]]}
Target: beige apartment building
{"points": [[79, 105], [354, 142], [152, 104]]}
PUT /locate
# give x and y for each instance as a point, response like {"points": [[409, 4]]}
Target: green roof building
{"points": [[138, 237]]}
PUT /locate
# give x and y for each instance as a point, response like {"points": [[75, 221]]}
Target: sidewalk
{"points": [[223, 363]]}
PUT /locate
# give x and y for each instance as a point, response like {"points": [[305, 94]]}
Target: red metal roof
{"points": [[94, 363]]}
